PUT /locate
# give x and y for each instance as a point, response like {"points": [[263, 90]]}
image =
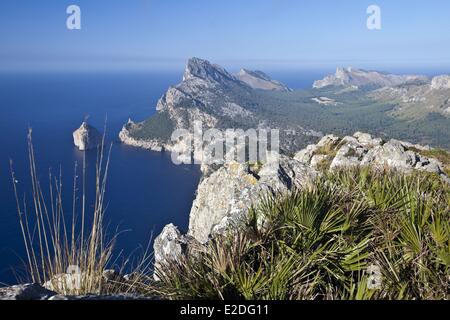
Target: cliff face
{"points": [[224, 197], [361, 149], [86, 137]]}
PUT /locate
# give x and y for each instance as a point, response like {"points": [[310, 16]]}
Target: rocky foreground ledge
{"points": [[361, 149], [225, 196]]}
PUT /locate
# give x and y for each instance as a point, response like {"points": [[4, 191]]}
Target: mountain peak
{"points": [[203, 69], [260, 80]]}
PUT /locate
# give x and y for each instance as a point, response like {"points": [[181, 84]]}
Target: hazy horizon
{"points": [[268, 35]]}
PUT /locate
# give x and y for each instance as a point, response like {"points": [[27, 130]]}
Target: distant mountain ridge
{"points": [[413, 108], [212, 95]]}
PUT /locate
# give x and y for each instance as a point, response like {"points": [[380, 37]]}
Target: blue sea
{"points": [[145, 191]]}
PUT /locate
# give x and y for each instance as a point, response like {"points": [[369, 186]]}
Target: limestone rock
{"points": [[86, 137], [329, 140], [227, 191], [218, 99], [392, 154], [224, 198], [325, 101], [169, 245], [352, 77], [30, 291], [94, 297]]}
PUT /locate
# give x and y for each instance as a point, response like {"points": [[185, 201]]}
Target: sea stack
{"points": [[86, 137]]}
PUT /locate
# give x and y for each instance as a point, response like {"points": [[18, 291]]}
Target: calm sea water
{"points": [[145, 190]]}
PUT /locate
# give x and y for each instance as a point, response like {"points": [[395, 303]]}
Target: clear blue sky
{"points": [[140, 34]]}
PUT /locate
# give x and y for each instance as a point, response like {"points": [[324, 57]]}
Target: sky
{"points": [[159, 34]]}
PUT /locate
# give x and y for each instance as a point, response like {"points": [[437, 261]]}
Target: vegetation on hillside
{"points": [[355, 234], [291, 110]]}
